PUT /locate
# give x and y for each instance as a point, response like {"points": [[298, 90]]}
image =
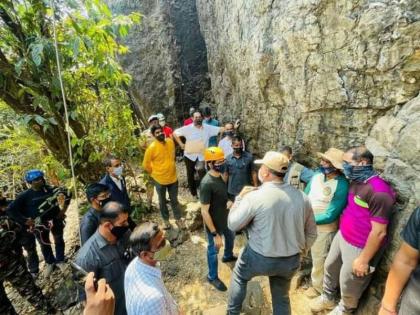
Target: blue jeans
{"points": [[280, 271], [212, 251]]}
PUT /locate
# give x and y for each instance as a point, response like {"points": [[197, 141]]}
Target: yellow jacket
{"points": [[159, 161]]}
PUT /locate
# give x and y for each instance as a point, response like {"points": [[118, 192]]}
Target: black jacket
{"points": [[118, 195]]}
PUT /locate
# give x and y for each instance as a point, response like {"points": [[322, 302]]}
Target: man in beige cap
{"points": [[281, 227], [327, 191]]}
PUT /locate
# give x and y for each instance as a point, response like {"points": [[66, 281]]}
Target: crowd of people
{"points": [[338, 214]]}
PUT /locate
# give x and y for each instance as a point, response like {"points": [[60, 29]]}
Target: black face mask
{"points": [[228, 133], [119, 231], [198, 122], [104, 201], [237, 150], [161, 137]]}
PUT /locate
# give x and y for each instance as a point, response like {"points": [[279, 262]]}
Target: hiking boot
{"points": [[312, 293], [338, 311], [49, 268], [229, 259], [61, 266], [218, 284], [321, 303]]}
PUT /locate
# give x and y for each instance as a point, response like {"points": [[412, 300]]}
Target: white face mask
{"points": [[118, 170], [260, 178], [162, 123]]}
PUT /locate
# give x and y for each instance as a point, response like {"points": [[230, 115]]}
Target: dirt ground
{"points": [[184, 274]]}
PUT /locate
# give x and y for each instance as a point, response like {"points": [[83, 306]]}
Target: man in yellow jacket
{"points": [[159, 163]]}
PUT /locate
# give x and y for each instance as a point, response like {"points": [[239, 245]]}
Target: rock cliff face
{"points": [[167, 57], [321, 73]]}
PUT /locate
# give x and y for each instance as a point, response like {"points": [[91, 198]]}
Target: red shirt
{"points": [[167, 131], [188, 121]]}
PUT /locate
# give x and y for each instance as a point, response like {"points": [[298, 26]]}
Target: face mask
{"points": [[38, 185], [119, 231], [237, 150], [118, 170], [163, 253], [104, 201], [198, 122], [219, 168], [326, 170], [228, 133], [162, 123], [358, 173], [161, 137]]}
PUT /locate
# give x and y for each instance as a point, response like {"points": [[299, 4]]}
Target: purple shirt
{"points": [[368, 201]]}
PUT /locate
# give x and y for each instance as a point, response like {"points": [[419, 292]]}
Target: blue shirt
{"points": [[239, 170], [212, 122], [145, 292]]}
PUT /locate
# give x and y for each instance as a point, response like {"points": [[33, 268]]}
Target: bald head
{"points": [[360, 154]]}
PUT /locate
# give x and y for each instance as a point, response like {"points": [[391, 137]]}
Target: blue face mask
{"points": [[327, 170], [358, 173]]}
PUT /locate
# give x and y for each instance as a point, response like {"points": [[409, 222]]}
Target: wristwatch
{"points": [[214, 233]]}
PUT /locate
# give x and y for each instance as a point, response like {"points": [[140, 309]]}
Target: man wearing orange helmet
{"points": [[214, 209]]}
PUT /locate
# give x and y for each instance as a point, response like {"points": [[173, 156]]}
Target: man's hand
{"points": [[237, 124], [246, 190], [101, 301], [30, 222], [218, 242], [387, 311], [229, 204], [61, 199], [360, 267], [182, 145]]}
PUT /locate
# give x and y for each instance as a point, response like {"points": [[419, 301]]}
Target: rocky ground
{"points": [[184, 275]]}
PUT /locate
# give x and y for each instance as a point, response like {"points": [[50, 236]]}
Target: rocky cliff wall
{"points": [[321, 73], [167, 57]]}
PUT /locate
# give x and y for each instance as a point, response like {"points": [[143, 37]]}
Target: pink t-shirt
{"points": [[369, 201]]}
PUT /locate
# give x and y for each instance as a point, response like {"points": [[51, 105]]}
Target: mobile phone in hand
{"points": [[79, 274]]}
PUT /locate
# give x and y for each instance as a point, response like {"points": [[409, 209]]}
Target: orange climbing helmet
{"points": [[213, 154]]}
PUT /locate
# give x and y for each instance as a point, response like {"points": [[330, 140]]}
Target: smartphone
{"points": [[79, 274]]}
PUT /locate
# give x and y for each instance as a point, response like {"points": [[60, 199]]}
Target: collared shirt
{"points": [[279, 220], [239, 170], [106, 261], [145, 292], [202, 134], [367, 202], [89, 224], [159, 161], [117, 182]]}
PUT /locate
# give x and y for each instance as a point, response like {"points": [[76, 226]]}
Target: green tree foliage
{"points": [[100, 116]]}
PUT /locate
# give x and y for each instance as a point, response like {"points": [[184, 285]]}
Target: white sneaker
{"points": [[61, 266], [49, 268], [338, 311]]}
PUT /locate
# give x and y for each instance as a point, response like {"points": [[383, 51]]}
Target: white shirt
{"points": [[193, 133], [226, 145], [117, 182], [145, 293]]}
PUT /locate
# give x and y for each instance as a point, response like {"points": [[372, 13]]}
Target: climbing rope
{"points": [[66, 114]]}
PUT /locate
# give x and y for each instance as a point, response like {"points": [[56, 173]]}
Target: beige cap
{"points": [[333, 155], [275, 161]]}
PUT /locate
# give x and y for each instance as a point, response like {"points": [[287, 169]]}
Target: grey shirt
{"points": [[279, 220], [106, 261]]}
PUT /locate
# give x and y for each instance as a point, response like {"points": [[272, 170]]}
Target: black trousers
{"points": [[192, 183], [16, 273]]}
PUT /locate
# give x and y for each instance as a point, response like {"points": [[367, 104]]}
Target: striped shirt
{"points": [[145, 292]]}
